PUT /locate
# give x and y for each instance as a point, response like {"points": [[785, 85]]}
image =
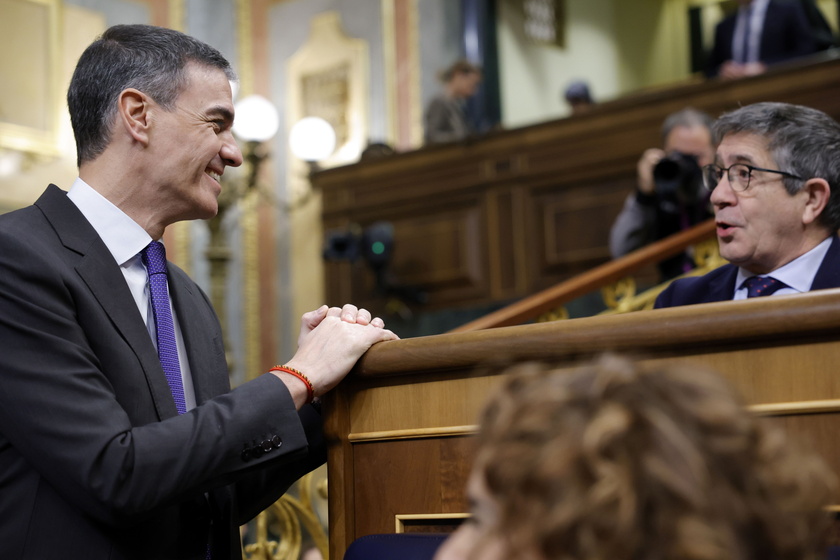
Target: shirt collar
{"points": [[123, 237], [799, 273]]}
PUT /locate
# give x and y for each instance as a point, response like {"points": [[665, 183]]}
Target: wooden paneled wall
{"points": [[399, 428], [502, 216]]}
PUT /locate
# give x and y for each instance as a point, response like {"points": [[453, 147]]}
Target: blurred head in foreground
{"points": [[620, 461]]}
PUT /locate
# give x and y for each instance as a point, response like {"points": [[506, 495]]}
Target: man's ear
{"points": [[818, 192], [133, 111]]}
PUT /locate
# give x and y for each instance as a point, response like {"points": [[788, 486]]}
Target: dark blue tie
{"points": [[154, 257], [758, 286]]}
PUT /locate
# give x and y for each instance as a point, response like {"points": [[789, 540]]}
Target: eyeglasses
{"points": [[738, 174]]}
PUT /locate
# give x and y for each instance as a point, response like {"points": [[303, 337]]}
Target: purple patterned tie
{"points": [[154, 257], [758, 286]]}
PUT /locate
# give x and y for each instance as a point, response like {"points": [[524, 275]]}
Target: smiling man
{"points": [[120, 437], [774, 184]]}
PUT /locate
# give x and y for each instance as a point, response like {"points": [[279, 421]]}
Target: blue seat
{"points": [[395, 546]]}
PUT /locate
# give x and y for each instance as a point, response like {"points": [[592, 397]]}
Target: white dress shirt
{"points": [[798, 274], [125, 238]]}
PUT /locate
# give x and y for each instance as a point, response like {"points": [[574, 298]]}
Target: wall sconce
{"points": [[312, 139], [256, 122]]}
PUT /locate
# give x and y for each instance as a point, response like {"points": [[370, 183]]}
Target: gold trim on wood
{"points": [[765, 409], [797, 407], [400, 519], [416, 433]]}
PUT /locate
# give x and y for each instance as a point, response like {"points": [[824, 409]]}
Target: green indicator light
{"points": [[378, 248]]}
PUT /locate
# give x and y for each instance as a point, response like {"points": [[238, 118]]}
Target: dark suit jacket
{"points": [[95, 462], [786, 35], [719, 284]]}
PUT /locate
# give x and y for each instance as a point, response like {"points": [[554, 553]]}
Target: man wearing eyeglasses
{"points": [[773, 188]]}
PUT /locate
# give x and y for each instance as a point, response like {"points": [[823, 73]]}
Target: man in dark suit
{"points": [[775, 184], [761, 33], [119, 435]]}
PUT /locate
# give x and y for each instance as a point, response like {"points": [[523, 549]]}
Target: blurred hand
{"points": [[731, 70], [644, 169], [754, 68], [331, 341]]}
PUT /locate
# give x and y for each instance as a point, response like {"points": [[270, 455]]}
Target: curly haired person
{"points": [[621, 461]]}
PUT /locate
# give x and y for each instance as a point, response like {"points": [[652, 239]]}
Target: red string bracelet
{"points": [[310, 391]]}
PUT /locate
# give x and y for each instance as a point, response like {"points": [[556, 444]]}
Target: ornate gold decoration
{"points": [[559, 314], [326, 94], [618, 295], [286, 518], [621, 297], [328, 78], [707, 258], [707, 254]]}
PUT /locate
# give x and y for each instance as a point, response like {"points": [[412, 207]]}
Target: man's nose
{"points": [[723, 194], [230, 153]]}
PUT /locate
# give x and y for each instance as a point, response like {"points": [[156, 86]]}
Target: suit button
{"points": [[276, 441], [246, 454], [266, 445]]}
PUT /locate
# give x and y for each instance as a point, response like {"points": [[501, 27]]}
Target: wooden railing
{"points": [[531, 307], [399, 428]]}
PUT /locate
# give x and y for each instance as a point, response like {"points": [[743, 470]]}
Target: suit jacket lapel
{"points": [[202, 336], [722, 288], [96, 266], [828, 274]]}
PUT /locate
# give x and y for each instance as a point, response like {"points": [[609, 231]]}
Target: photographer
{"points": [[669, 196]]}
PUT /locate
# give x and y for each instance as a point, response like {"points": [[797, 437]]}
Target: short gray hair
{"points": [[150, 59], [688, 118], [801, 140]]}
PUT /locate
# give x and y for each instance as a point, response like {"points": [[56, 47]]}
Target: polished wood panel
{"points": [[389, 481], [399, 426]]}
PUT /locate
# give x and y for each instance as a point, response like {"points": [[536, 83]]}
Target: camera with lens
{"points": [[678, 178]]}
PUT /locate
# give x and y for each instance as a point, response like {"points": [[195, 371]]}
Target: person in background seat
{"points": [[629, 462]]}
